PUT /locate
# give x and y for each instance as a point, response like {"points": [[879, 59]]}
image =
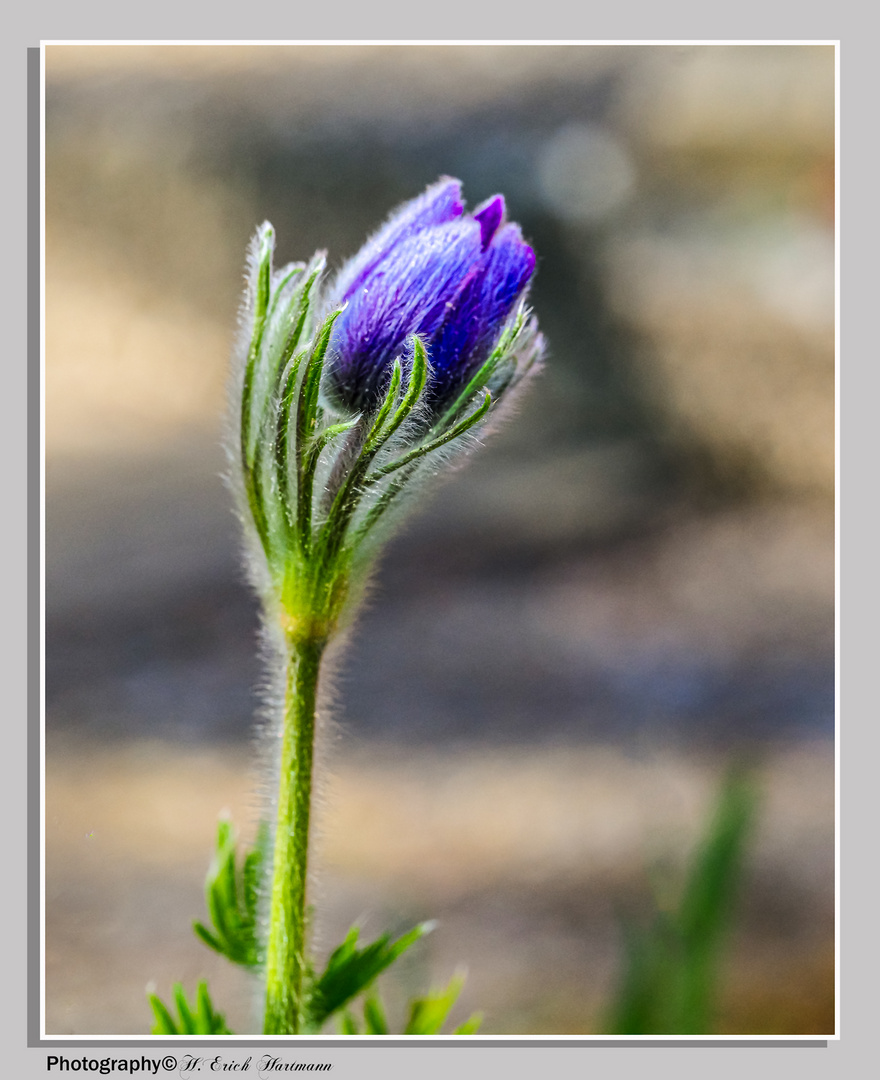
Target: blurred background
{"points": [[631, 584]]}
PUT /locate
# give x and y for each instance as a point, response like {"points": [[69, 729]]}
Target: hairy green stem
{"points": [[286, 951]]}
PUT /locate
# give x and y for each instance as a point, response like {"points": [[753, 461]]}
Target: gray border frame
{"points": [[35, 986], [34, 628], [861, 1017]]}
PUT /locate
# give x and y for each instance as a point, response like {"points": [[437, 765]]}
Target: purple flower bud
{"points": [[452, 278]]}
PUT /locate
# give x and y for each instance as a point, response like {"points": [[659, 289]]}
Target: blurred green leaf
{"points": [[232, 898], [710, 892], [428, 1014], [346, 1024], [198, 1019], [350, 970], [670, 978], [374, 1016], [471, 1026]]}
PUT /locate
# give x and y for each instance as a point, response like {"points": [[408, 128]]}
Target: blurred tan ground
{"points": [[522, 856]]}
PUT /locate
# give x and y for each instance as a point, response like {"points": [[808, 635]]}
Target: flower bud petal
{"points": [[407, 294], [451, 278], [440, 203], [490, 214], [482, 306]]}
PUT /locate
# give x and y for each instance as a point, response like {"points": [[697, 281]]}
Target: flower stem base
{"points": [[286, 949]]}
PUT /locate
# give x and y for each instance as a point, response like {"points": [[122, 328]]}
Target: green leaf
{"points": [[428, 1014], [707, 903], [671, 967], [374, 1016], [164, 1021], [471, 1026], [205, 1017], [232, 897], [347, 1025], [198, 1019], [350, 970], [643, 999], [187, 1021]]}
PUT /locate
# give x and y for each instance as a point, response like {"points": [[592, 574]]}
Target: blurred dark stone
{"points": [[457, 643]]}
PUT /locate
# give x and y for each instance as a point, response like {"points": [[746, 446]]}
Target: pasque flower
{"points": [[344, 399], [452, 278]]}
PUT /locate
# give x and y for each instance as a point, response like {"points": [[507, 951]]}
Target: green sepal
{"points": [[351, 970], [376, 435], [386, 422], [330, 433], [281, 320], [308, 441], [232, 898], [420, 451], [418, 377], [280, 325], [296, 314], [307, 406], [198, 1019], [282, 443], [263, 244], [409, 462]]}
